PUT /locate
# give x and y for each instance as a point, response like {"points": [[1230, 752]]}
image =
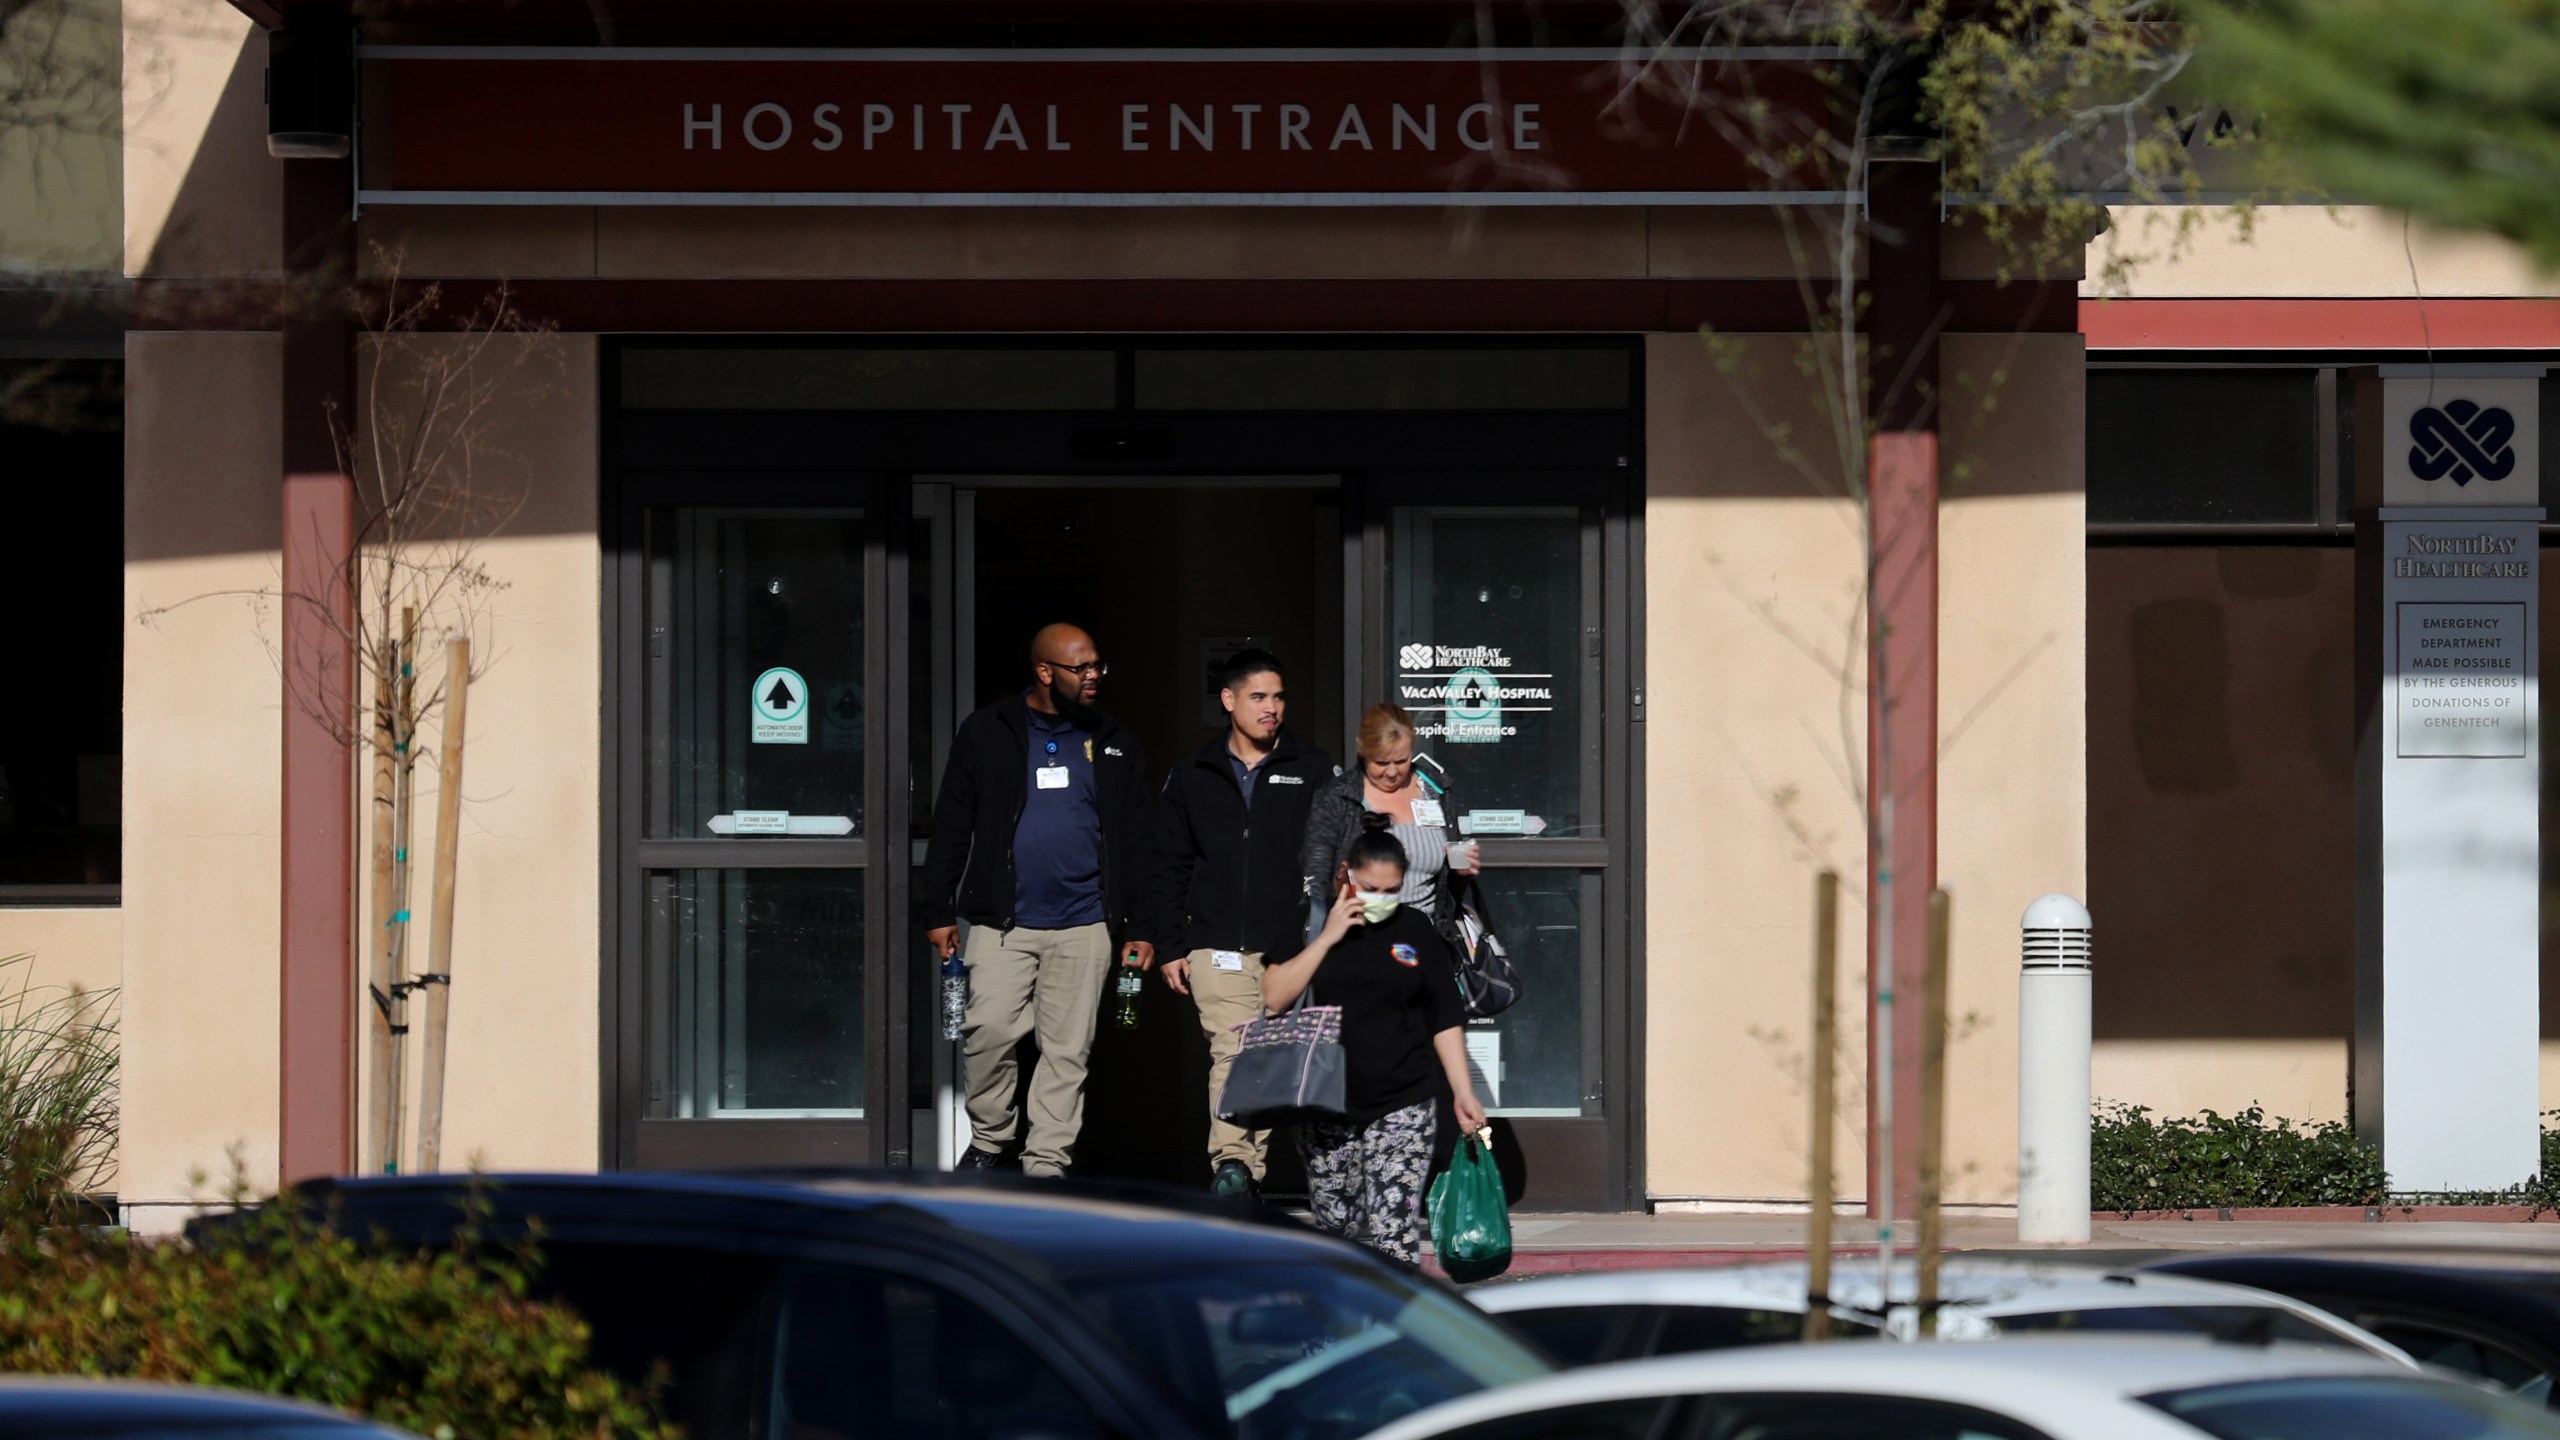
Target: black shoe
{"points": [[1232, 1179], [976, 1159]]}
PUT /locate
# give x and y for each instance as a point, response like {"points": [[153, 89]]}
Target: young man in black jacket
{"points": [[1043, 841], [1229, 892]]}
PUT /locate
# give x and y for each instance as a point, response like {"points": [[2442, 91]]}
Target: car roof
{"points": [[1072, 1232], [2030, 1376], [35, 1404], [1991, 1285]]}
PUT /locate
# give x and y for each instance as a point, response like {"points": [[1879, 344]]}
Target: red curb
{"points": [[2346, 1215]]}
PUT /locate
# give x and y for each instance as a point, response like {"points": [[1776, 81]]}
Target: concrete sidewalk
{"points": [[1552, 1243]]}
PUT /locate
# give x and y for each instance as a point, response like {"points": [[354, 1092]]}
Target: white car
{"points": [[1633, 1314], [2037, 1388]]}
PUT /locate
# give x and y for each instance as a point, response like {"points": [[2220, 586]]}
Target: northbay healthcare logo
{"points": [[1466, 688], [2462, 442]]}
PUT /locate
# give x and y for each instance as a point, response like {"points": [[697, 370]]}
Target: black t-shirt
{"points": [[1396, 989]]}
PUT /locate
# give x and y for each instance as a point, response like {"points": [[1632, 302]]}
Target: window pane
{"points": [[759, 974], [1600, 1420], [61, 761], [1690, 1328], [2361, 1407], [1529, 1058], [1383, 379], [858, 1354], [687, 1316], [1490, 615], [1841, 1417], [819, 379], [767, 705], [2212, 447], [1582, 1334], [2236, 1324]]}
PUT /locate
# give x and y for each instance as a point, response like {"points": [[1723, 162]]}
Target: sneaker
{"points": [[976, 1159], [1232, 1179]]}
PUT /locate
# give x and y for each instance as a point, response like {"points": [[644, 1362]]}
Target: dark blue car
{"points": [[47, 1409], [836, 1308]]}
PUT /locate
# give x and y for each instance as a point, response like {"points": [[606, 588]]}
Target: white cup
{"points": [[1462, 856]]}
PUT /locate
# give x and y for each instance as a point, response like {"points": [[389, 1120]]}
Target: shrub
{"points": [[2209, 1160], [447, 1343], [58, 1058]]}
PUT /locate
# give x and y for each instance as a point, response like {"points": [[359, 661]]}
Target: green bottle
{"points": [[1124, 1009]]}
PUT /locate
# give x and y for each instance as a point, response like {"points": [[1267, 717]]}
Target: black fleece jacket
{"points": [[1229, 874], [968, 864]]}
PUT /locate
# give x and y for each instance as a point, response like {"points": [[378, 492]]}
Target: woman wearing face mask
{"points": [[1417, 811], [1403, 1048]]}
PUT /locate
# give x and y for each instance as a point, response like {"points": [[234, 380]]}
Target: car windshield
{"points": [[1304, 1351], [2355, 1407]]}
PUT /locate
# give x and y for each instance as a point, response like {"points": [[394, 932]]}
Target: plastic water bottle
{"points": [[1124, 1010], [955, 996]]}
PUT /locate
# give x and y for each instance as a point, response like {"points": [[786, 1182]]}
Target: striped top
{"points": [[1426, 852]]}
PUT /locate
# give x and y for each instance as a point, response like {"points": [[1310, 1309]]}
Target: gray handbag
{"points": [[1290, 1067]]}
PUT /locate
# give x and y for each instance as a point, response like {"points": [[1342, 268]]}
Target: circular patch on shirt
{"points": [[1404, 954]]}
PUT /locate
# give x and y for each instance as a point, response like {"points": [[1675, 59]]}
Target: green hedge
{"points": [[2211, 1161]]}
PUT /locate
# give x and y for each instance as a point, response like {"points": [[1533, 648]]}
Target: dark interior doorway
{"points": [[1170, 581]]}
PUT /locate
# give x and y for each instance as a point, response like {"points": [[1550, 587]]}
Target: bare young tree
{"points": [[431, 488], [2033, 115]]}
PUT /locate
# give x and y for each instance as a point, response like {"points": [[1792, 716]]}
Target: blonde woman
{"points": [[1383, 790]]}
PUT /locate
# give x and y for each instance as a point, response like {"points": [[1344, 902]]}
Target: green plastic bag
{"points": [[1470, 1224]]}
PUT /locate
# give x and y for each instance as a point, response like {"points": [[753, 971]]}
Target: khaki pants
{"points": [[1227, 998], [1032, 982]]}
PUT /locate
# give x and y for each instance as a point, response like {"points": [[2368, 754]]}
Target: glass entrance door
{"points": [[1493, 626], [752, 824]]}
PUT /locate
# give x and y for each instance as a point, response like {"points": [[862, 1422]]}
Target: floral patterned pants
{"points": [[1367, 1184]]}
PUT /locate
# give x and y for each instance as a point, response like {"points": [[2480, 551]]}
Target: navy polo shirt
{"points": [[1057, 844]]}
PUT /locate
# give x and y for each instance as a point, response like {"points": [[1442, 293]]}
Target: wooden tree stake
{"points": [[382, 974], [438, 980], [1933, 1115], [1826, 1044]]}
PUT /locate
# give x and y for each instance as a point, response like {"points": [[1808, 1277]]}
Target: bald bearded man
{"points": [[1044, 843]]}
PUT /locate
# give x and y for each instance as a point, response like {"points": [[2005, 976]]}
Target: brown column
{"points": [[1906, 312], [317, 1064]]}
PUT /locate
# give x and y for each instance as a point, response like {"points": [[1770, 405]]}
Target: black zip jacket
{"points": [[1229, 878], [968, 865]]}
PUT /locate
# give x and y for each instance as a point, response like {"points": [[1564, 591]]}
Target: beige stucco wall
{"points": [[201, 196], [1753, 744], [2300, 251], [522, 1089], [201, 762], [1756, 741], [2012, 708], [80, 945]]}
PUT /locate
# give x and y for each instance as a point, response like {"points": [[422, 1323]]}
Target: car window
{"points": [[1314, 1350], [2238, 1324], [1687, 1329], [2430, 1343], [861, 1355], [2355, 1407], [682, 1321], [1634, 1419], [1578, 1335], [1848, 1417]]}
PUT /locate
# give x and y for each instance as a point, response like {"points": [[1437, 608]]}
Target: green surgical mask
{"points": [[1377, 905]]}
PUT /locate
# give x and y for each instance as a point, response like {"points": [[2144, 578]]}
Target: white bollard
{"points": [[2053, 1073]]}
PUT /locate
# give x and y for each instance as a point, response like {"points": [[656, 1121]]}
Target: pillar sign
{"points": [[2446, 1072]]}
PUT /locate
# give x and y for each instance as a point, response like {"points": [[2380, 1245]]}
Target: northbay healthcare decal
{"points": [[1468, 694], [2461, 678]]}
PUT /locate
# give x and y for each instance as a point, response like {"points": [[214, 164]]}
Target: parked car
{"points": [[2487, 1314], [41, 1408], [2109, 1387], [1624, 1315], [848, 1307]]}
